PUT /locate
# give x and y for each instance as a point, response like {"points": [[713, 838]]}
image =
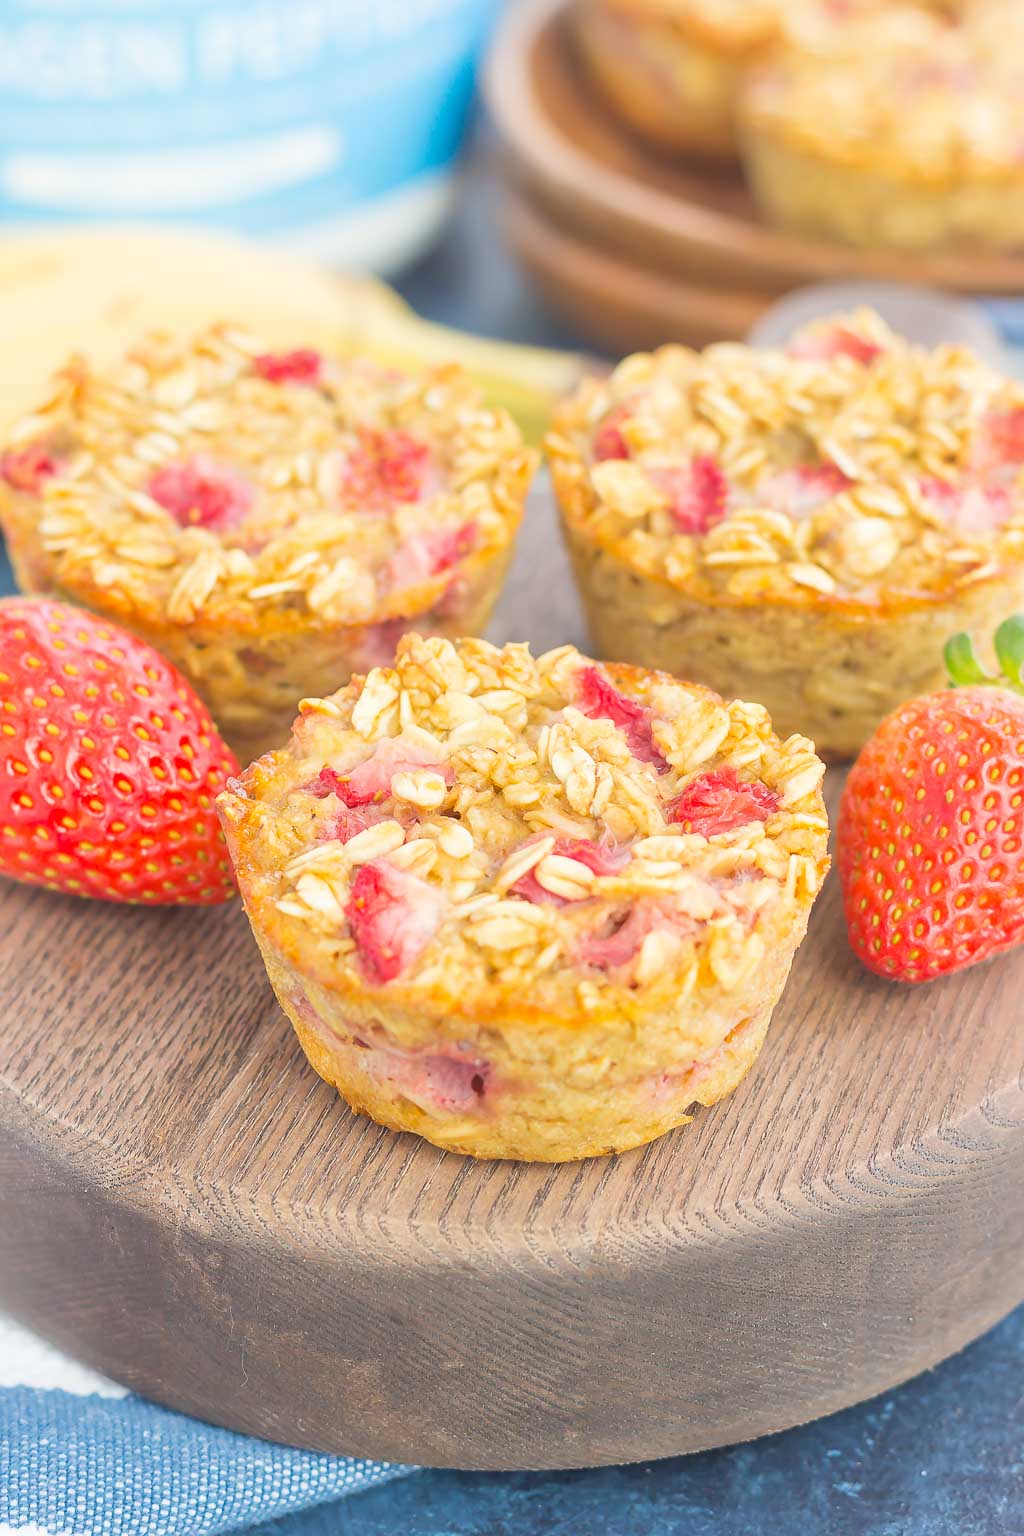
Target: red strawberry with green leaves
{"points": [[109, 764], [931, 823]]}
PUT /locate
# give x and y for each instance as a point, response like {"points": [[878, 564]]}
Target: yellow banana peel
{"points": [[95, 291]]}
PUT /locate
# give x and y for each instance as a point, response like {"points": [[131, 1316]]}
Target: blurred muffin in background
{"points": [[672, 70], [897, 130]]}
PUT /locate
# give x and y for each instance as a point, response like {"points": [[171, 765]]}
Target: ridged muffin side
{"points": [[528, 907]]}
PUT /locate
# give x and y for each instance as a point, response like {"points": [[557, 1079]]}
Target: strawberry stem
{"points": [[965, 670]]}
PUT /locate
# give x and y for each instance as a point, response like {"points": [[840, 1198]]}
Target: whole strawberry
{"points": [[109, 763], [931, 823]]}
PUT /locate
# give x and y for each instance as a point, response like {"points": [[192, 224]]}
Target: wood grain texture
{"points": [[659, 223], [184, 1205]]}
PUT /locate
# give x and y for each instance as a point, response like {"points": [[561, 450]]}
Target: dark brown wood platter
{"points": [[186, 1207]]}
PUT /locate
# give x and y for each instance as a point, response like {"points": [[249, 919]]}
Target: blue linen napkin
{"points": [[81, 1456]]}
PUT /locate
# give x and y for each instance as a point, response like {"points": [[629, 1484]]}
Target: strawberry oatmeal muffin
{"points": [[528, 908], [270, 521], [899, 130], [670, 69], [805, 527], [674, 70]]}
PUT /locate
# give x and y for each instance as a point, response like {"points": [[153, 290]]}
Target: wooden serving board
{"points": [[185, 1206], [649, 230]]}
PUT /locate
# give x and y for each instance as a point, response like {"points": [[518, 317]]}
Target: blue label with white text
{"points": [[261, 115]]}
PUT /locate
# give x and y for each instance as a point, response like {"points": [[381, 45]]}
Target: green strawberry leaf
{"points": [[962, 665], [965, 670], [1009, 644]]}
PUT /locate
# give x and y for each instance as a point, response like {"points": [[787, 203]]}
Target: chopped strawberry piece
{"points": [[617, 943], [609, 950], [387, 466], [600, 700], [999, 445], [698, 493], [823, 343], [603, 858], [446, 1081], [303, 366], [371, 780], [346, 821], [327, 782], [427, 554], [720, 802], [968, 506], [26, 468], [200, 493], [799, 492], [393, 916], [609, 442], [939, 75]]}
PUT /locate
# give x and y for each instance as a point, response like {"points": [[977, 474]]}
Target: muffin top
{"points": [[743, 26], [851, 469], [214, 480], [477, 829], [905, 91]]}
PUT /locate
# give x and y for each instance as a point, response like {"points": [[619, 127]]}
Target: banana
{"points": [[95, 291]]}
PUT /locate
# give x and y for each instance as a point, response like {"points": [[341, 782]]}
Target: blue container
{"points": [[332, 123]]}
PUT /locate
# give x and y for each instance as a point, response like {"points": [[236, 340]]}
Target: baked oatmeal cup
{"points": [[271, 522], [804, 528], [671, 69], [897, 130], [674, 70], [528, 908]]}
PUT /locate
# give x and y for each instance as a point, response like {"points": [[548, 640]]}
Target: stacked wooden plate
{"points": [[636, 249]]}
